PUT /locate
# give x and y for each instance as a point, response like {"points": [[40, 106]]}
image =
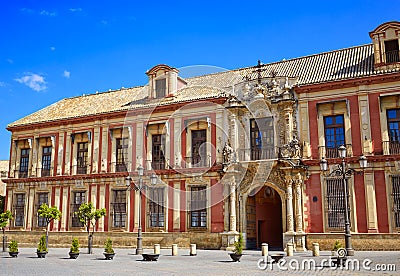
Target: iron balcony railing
{"points": [[329, 152], [392, 56], [391, 147], [252, 154]]}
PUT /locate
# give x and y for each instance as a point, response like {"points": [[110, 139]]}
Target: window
{"points": [[24, 163], [156, 207], [393, 118], [161, 88], [77, 199], [82, 158], [335, 203], [19, 210], [198, 203], [392, 51], [118, 207], [122, 154], [396, 200], [46, 161], [262, 138], [42, 198], [158, 160], [334, 135], [199, 148]]}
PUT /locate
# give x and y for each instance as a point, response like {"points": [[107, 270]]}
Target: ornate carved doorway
{"points": [[264, 219]]}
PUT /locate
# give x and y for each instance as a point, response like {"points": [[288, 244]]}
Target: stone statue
{"points": [[227, 153]]}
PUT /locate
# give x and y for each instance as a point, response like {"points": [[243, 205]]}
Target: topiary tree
{"points": [[238, 245], [49, 214], [42, 247], [4, 220], [88, 215], [74, 246]]}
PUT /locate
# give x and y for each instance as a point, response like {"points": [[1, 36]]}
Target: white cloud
{"points": [[67, 74], [75, 9], [26, 10], [33, 81], [52, 48], [2, 84], [47, 13], [10, 61], [104, 22]]}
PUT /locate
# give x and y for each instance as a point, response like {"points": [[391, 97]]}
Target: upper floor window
{"points": [[46, 161], [392, 51], [396, 200], [19, 210], [77, 199], [42, 198], [122, 154], [199, 148], [157, 152], [82, 159], [262, 138], [118, 208], [161, 88], [334, 135], [393, 120], [156, 207], [24, 163], [198, 203]]}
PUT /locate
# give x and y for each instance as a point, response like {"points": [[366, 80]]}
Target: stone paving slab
{"points": [[207, 262]]}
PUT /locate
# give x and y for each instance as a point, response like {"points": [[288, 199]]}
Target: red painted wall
{"points": [[313, 123], [359, 191], [315, 213], [376, 137], [183, 207], [217, 208], [381, 202], [355, 126]]}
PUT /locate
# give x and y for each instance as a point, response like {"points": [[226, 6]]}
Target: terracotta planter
{"points": [[235, 257], [13, 254], [73, 255], [109, 256], [41, 254]]}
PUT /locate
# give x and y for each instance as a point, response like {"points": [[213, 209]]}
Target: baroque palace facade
{"points": [[236, 151]]}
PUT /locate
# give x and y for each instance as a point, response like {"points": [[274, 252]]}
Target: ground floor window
{"points": [[19, 210], [77, 199], [118, 208], [42, 198], [156, 207], [198, 203], [335, 209], [396, 200]]}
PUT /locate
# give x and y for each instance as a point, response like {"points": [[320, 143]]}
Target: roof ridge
{"points": [[104, 92]]}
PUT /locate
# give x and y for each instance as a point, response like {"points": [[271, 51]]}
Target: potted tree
{"points": [[336, 246], [4, 220], [108, 250], [13, 249], [237, 252], [42, 248], [74, 250], [49, 214], [88, 215]]}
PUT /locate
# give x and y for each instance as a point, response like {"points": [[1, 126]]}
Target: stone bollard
{"points": [[192, 249], [264, 249], [289, 249], [315, 249], [157, 248], [174, 250]]}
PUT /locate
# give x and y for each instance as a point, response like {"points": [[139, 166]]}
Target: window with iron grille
{"points": [[46, 161], [393, 120], [262, 138], [42, 198], [122, 154], [118, 207], [396, 199], [77, 199], [198, 204], [156, 207], [199, 148], [24, 163], [19, 210], [82, 159], [334, 135], [157, 152], [392, 51], [335, 205], [161, 88]]}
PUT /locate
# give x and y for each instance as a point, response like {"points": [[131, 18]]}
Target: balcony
{"points": [[253, 154], [325, 152], [392, 56], [391, 147], [198, 162]]}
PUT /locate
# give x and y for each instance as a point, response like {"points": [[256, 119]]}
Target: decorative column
{"points": [[299, 216], [289, 204], [232, 200]]}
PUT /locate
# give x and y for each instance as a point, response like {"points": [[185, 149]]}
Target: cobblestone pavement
{"points": [[207, 262]]}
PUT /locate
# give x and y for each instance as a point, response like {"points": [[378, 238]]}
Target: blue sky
{"points": [[50, 50]]}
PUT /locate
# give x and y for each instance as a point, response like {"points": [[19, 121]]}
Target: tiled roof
{"points": [[336, 65]]}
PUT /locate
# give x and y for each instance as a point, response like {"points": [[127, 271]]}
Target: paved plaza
{"points": [[207, 262]]}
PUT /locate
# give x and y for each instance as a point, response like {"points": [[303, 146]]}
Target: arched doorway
{"points": [[264, 219]]}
